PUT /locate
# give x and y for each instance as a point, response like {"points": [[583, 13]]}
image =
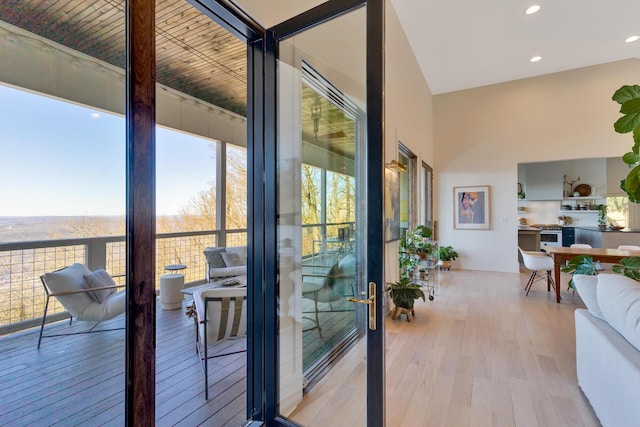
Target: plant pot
{"points": [[444, 265]]}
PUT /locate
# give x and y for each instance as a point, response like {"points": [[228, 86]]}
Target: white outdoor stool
{"points": [[170, 287]]}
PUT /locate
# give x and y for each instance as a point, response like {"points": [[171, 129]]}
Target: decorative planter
{"points": [[444, 265]]}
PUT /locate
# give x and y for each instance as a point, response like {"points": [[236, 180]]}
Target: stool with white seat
{"points": [[537, 261]]}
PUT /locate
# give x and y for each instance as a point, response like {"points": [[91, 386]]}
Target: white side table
{"points": [[170, 287]]}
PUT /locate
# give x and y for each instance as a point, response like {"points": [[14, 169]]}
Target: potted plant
{"points": [[582, 264], [415, 244], [446, 254], [602, 216], [403, 293]]}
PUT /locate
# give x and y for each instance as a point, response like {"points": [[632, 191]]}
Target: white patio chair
{"points": [[221, 315], [85, 295]]}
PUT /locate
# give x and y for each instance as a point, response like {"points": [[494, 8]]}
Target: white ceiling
{"points": [[462, 44]]}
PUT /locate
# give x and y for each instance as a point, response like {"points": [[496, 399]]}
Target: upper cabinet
{"points": [[543, 181]]}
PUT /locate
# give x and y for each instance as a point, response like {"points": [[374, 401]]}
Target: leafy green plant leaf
{"points": [[581, 264], [631, 158], [626, 93], [631, 106], [630, 267], [627, 123]]}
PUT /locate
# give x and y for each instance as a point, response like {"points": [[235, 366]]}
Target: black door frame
{"points": [[262, 396], [267, 407]]}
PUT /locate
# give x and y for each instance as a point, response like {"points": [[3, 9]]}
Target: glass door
{"points": [[323, 341]]}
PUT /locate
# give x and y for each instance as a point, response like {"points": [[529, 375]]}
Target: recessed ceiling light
{"points": [[95, 115], [632, 39], [532, 9], [535, 58]]}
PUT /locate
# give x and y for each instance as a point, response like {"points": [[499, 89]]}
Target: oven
{"points": [[550, 238], [550, 235]]}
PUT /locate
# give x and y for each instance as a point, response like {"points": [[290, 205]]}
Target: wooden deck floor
{"points": [[79, 379]]}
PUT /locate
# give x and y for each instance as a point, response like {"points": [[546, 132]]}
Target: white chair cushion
{"points": [[619, 301], [587, 286], [213, 314], [227, 271], [112, 306], [99, 279], [70, 279]]}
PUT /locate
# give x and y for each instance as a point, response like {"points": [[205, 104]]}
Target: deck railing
{"points": [[22, 263]]}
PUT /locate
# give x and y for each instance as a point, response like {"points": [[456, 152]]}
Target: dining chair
{"points": [[629, 248], [581, 245], [537, 261]]}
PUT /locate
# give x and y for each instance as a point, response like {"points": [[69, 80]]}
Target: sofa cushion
{"points": [[70, 278], [587, 286], [99, 279], [214, 257], [619, 301], [232, 259], [241, 251]]}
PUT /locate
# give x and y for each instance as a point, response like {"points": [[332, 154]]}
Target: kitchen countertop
{"points": [[527, 228], [624, 230]]}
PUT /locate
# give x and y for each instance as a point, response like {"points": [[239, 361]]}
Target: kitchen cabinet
{"points": [[590, 237], [607, 238], [568, 236], [544, 181], [528, 240]]}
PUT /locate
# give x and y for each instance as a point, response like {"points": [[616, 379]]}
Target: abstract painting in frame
{"points": [[471, 207], [391, 205]]}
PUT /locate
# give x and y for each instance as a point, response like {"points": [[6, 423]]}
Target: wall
{"points": [[482, 134], [408, 111]]}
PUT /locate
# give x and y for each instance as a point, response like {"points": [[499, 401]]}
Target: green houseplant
{"points": [[446, 254], [415, 244], [404, 292], [581, 264], [602, 216], [629, 99]]}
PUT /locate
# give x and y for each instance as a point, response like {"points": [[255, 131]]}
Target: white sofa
{"points": [[608, 347], [225, 262]]}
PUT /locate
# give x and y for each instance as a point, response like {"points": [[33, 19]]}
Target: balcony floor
{"points": [[79, 379]]}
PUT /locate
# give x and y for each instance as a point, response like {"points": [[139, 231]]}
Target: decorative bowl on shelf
{"points": [[583, 190]]}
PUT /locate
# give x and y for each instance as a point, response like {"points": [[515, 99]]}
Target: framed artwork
{"points": [[471, 208], [391, 205]]}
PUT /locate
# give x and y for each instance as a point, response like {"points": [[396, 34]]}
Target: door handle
{"points": [[370, 302]]}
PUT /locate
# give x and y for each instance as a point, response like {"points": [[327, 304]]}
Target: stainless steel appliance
{"points": [[550, 234]]}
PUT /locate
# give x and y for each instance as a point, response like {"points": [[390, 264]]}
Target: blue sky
{"points": [[59, 158]]}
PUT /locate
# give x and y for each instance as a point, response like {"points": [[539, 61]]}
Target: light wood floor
{"points": [[481, 354]]}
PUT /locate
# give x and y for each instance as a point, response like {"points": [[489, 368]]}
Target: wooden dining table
{"points": [[561, 254]]}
